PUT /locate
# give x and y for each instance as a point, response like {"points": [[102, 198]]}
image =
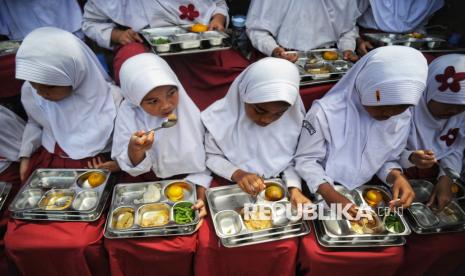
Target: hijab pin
{"points": [[378, 96]]}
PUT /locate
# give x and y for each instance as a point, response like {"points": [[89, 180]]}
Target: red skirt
{"points": [[122, 53], [10, 85], [316, 260], [56, 248], [314, 92], [272, 258], [150, 256]]}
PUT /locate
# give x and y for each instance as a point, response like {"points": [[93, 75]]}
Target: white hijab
{"points": [[20, 17], [82, 124], [263, 150], [426, 129], [303, 25], [360, 145], [138, 14], [176, 150], [11, 133], [398, 16]]}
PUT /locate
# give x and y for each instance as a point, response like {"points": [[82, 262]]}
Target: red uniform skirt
{"points": [[56, 248], [272, 258], [151, 256]]}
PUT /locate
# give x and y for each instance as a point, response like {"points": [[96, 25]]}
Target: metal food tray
{"points": [[423, 220], [130, 196], [9, 47], [339, 233], [225, 204], [183, 41], [5, 189], [425, 43], [87, 203], [337, 68]]}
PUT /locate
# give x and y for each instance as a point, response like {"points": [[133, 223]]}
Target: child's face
{"points": [[264, 114], [443, 110], [52, 92], [385, 112], [161, 101]]}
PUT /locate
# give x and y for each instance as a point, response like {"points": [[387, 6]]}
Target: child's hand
{"points": [[297, 197], [330, 195], [363, 47], [350, 55], [400, 187], [217, 23], [124, 37], [280, 52], [249, 182], [423, 159], [97, 163], [23, 167], [442, 194], [140, 141]]}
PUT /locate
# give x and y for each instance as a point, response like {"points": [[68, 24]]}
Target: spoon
{"points": [[172, 120]]}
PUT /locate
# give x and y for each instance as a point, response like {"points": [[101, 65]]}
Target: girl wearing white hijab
{"points": [[361, 125], [71, 104], [438, 124], [152, 92], [103, 19], [276, 25], [252, 135]]}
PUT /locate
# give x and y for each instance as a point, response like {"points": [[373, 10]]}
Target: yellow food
{"points": [[454, 188], [155, 218], [96, 179], [373, 197], [57, 202], [255, 224], [330, 55], [364, 226], [319, 70], [417, 35], [125, 220], [172, 117], [175, 192], [273, 193], [199, 28]]}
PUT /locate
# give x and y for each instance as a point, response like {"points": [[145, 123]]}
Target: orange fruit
{"points": [[330, 55], [175, 193], [199, 28], [96, 179], [454, 188], [373, 197]]}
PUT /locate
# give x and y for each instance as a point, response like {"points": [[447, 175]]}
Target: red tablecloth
{"points": [[57, 248], [272, 258], [317, 260], [10, 86]]}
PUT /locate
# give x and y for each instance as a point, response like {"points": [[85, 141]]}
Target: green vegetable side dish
{"points": [[393, 224], [160, 41], [183, 213]]}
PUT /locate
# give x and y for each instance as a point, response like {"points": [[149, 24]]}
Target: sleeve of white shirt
{"points": [[291, 178], [452, 161], [97, 26], [203, 178], [384, 171], [32, 138], [216, 161], [222, 8], [347, 41], [262, 41], [311, 152], [404, 159]]}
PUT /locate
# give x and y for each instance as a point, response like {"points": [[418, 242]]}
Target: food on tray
{"points": [[95, 179], [6, 46], [273, 193], [152, 194], [365, 225], [172, 117], [454, 188], [56, 201], [124, 220], [323, 69], [199, 28], [450, 215], [175, 192], [416, 35], [160, 41], [255, 221], [183, 213], [311, 59], [154, 218], [393, 224], [373, 197], [330, 55]]}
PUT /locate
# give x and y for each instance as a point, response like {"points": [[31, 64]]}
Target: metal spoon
{"points": [[165, 124]]}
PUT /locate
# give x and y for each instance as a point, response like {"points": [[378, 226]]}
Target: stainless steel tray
{"points": [[5, 189], [225, 205], [144, 199], [340, 232], [179, 40], [427, 42], [9, 47], [424, 220], [314, 58], [86, 203]]}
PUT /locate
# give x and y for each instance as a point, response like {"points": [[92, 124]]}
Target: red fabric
{"points": [[272, 258], [122, 53], [57, 248], [314, 92], [10, 86], [317, 260]]}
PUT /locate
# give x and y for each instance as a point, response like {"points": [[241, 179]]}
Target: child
{"points": [[357, 130], [152, 92], [252, 135], [71, 104]]}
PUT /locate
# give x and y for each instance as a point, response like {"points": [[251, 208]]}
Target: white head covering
{"points": [[11, 133], [263, 150], [82, 124], [303, 25], [138, 14], [398, 16], [427, 130], [176, 150], [359, 145], [20, 17]]}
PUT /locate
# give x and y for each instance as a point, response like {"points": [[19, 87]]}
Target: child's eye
{"points": [[172, 92], [152, 102]]}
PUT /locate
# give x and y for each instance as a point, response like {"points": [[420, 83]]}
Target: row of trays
{"points": [[414, 40]]}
